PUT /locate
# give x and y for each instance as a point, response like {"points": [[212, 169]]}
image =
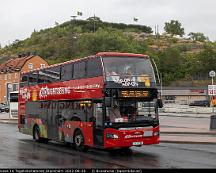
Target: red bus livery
{"points": [[108, 100]]}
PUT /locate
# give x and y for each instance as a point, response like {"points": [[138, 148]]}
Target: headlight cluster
{"points": [[112, 136], [157, 133]]}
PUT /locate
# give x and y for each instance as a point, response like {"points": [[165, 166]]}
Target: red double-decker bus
{"points": [[108, 100]]}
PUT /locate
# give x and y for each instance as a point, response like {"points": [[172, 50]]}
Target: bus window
{"points": [[24, 80], [138, 69], [94, 67], [42, 78], [33, 78], [72, 110], [67, 72], [80, 69], [98, 114], [52, 74]]}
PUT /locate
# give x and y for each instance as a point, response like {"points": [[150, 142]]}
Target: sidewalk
{"points": [[187, 128], [182, 135], [4, 118]]}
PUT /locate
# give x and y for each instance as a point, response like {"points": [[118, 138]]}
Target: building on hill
{"points": [[10, 73]]}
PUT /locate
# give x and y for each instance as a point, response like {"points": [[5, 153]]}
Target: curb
{"points": [[187, 142], [185, 116], [193, 133], [8, 121], [190, 113]]}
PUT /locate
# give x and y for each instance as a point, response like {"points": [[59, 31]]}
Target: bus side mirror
{"points": [[160, 103], [108, 101]]}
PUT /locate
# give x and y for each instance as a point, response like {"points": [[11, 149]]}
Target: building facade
{"points": [[10, 73], [184, 95]]}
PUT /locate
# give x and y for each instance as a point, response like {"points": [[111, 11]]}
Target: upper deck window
{"points": [[94, 67], [138, 69], [33, 78], [67, 72], [24, 80], [79, 69], [49, 75]]}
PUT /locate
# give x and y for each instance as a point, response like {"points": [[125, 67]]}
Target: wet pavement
{"points": [[174, 128], [20, 151], [187, 130]]}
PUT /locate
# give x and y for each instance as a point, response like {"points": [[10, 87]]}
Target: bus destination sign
{"points": [[133, 93]]}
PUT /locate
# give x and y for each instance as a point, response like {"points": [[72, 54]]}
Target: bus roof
{"points": [[100, 54], [120, 54]]}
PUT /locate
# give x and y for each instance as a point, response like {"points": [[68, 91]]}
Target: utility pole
{"points": [[157, 30], [74, 19], [94, 23]]}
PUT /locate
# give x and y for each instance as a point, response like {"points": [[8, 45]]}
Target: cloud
{"points": [[20, 17]]}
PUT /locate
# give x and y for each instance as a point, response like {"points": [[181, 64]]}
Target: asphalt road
{"points": [[20, 151]]}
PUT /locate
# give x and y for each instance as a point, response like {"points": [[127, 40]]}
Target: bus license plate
{"points": [[137, 143], [147, 133]]}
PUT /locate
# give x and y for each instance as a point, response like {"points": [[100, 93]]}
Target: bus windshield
{"points": [[137, 68], [14, 97], [13, 104], [131, 111]]}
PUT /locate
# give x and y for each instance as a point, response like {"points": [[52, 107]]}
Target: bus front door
{"points": [[98, 125]]}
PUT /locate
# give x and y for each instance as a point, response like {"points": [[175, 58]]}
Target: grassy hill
{"points": [[177, 59]]}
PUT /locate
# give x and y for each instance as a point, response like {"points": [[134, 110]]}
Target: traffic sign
{"points": [[10, 86], [212, 73], [212, 90]]}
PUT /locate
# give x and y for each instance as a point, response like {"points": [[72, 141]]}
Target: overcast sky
{"points": [[19, 18]]}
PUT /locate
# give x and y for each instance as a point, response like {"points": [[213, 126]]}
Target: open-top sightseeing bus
{"points": [[108, 100]]}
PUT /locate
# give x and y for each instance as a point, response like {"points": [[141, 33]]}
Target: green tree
{"points": [[206, 60], [93, 23], [197, 36], [174, 28], [171, 65]]}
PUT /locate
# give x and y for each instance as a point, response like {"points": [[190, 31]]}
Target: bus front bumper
{"points": [[127, 138]]}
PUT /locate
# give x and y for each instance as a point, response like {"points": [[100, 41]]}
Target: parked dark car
{"points": [[204, 103], [4, 108]]}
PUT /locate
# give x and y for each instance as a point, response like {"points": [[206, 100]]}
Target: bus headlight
{"points": [[112, 136], [157, 133]]}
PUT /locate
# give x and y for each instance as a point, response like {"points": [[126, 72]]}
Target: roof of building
{"points": [[15, 64]]}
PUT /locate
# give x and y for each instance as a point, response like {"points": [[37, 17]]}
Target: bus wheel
{"points": [[79, 141], [36, 134]]}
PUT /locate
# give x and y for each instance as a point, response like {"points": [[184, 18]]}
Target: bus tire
{"points": [[36, 134], [79, 142], [45, 140]]}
